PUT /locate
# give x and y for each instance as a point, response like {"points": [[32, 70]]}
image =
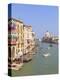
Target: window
{"points": [[11, 26], [13, 52], [28, 41], [9, 51]]}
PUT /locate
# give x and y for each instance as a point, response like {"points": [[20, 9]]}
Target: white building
{"points": [[47, 35]]}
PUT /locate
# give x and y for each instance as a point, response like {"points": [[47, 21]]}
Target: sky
{"points": [[40, 17]]}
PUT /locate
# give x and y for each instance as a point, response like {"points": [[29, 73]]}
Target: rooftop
{"points": [[15, 20], [27, 25]]}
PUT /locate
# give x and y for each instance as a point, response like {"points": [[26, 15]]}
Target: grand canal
{"points": [[40, 64]]}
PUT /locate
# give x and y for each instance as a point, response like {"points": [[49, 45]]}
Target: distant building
{"points": [[48, 37], [55, 38], [29, 36]]}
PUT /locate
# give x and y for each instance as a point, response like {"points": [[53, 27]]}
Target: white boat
{"points": [[40, 40], [46, 55]]}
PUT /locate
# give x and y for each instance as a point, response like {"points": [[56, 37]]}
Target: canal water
{"points": [[41, 64]]}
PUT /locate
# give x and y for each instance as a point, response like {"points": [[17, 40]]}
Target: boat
{"points": [[51, 45], [27, 57], [40, 40], [46, 54]]}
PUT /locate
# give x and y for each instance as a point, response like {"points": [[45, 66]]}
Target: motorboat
{"points": [[40, 40], [51, 45], [46, 54]]}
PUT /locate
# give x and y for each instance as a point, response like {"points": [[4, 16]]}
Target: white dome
{"points": [[47, 34]]}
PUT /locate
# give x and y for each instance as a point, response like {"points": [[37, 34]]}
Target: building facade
{"points": [[21, 41], [15, 40]]}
